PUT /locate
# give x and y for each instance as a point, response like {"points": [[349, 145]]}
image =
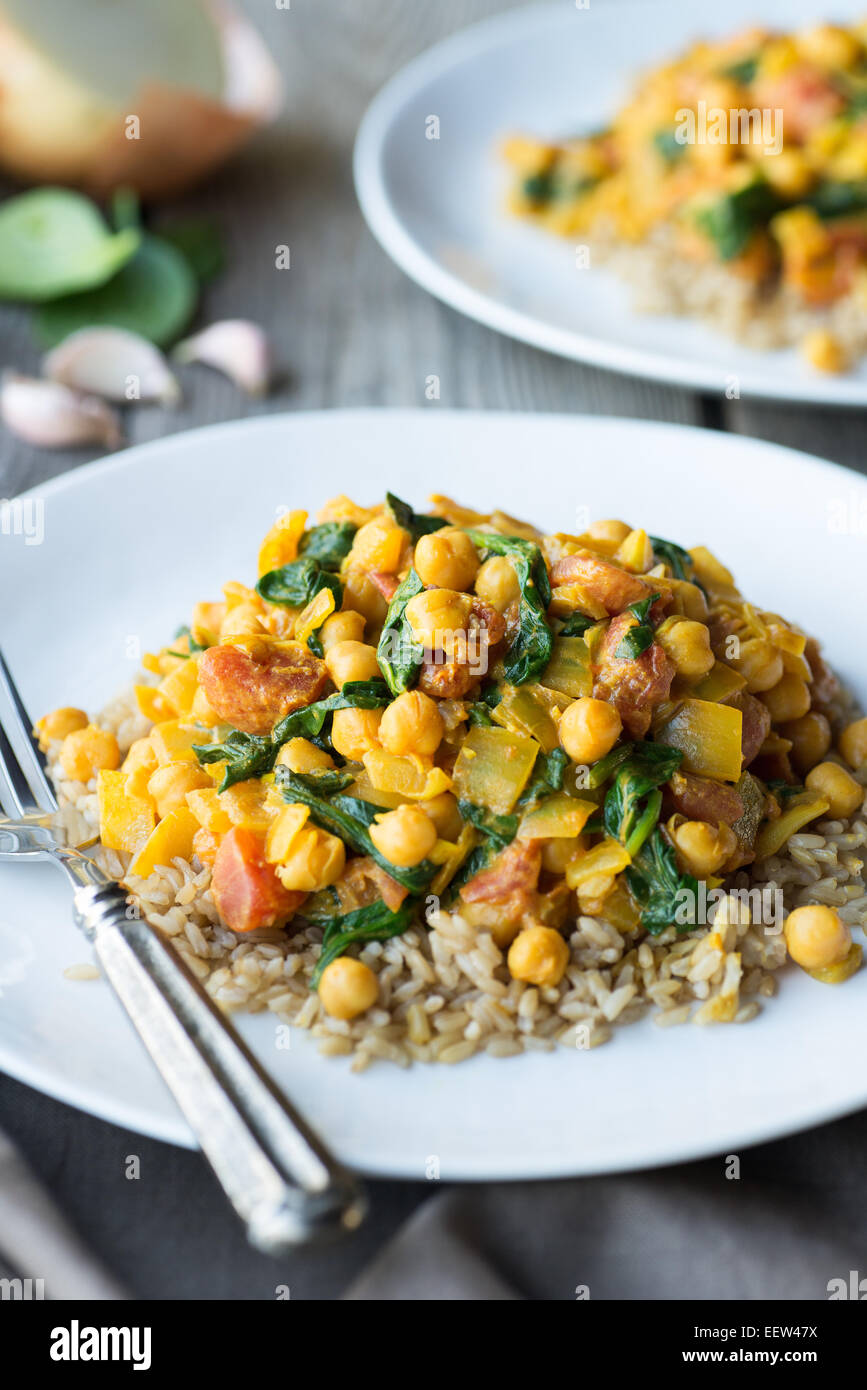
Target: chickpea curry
{"points": [[453, 707], [751, 152]]}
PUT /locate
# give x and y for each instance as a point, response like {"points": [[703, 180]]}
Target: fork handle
{"points": [[278, 1176]]}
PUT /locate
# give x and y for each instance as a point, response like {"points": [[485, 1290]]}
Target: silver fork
{"points": [[277, 1174]]}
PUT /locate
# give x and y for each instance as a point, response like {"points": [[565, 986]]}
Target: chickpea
{"points": [[355, 731], [446, 559], [759, 663], [58, 724], [816, 937], [241, 621], [300, 755], [86, 751], [853, 743], [341, 627], [435, 615], [810, 737], [589, 729], [538, 955], [614, 531], [843, 794], [168, 786], [497, 583], [405, 836], [315, 860], [443, 811], [378, 545], [352, 661], [348, 988], [789, 699], [704, 848], [411, 724], [361, 594], [687, 643]]}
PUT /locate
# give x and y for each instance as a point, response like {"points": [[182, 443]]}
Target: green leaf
{"points": [[656, 884], [678, 560], [373, 923], [667, 145], [531, 650], [349, 818], [154, 294], [500, 830], [415, 522], [200, 242], [399, 655], [546, 778], [605, 768], [576, 625], [729, 221], [637, 639], [832, 199], [328, 544], [633, 803], [478, 714], [245, 755], [54, 242], [744, 71], [298, 582]]}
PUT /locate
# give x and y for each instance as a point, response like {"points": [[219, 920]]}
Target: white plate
{"points": [[437, 206], [132, 542]]}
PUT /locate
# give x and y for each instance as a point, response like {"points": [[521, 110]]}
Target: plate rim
{"points": [[383, 220], [171, 1128]]}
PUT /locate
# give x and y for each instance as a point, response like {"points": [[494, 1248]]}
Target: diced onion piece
{"points": [[837, 973], [609, 857], [798, 813], [412, 777], [314, 615], [524, 710], [719, 683], [493, 767], [569, 668], [560, 817], [709, 736]]}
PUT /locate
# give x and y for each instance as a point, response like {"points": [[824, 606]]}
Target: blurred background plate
{"points": [[437, 206], [132, 542]]}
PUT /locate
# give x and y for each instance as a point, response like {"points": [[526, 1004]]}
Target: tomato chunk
{"points": [[246, 889], [252, 690]]}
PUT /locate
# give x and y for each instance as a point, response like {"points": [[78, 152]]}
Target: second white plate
{"points": [[437, 204]]}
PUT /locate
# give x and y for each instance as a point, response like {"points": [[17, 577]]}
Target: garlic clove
{"points": [[114, 363], [52, 416], [235, 347]]}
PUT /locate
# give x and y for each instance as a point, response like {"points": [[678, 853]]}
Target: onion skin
{"points": [[53, 130]]}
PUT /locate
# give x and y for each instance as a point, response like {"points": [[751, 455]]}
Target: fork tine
{"points": [[16, 797], [31, 760]]}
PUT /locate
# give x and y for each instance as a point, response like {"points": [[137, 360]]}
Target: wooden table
{"points": [[349, 329]]}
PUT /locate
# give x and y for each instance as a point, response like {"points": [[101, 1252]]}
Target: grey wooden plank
{"points": [[839, 435], [348, 327]]}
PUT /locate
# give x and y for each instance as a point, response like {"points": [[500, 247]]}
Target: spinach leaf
{"points": [[832, 199], [633, 801], [744, 71], [399, 655], [310, 719], [415, 522], [499, 830], [531, 650], [478, 714], [667, 145], [656, 884], [314, 644], [298, 582], [200, 242], [328, 544], [245, 755], [373, 923], [678, 560], [576, 625], [607, 766], [546, 778], [730, 221], [153, 294], [784, 790], [349, 818], [54, 242], [194, 645], [252, 755], [637, 639]]}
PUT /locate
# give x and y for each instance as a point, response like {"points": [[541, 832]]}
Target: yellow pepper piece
{"points": [[172, 741], [411, 776], [172, 839], [125, 821], [314, 615], [205, 806], [180, 685], [152, 704], [608, 858], [283, 832], [280, 546]]}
